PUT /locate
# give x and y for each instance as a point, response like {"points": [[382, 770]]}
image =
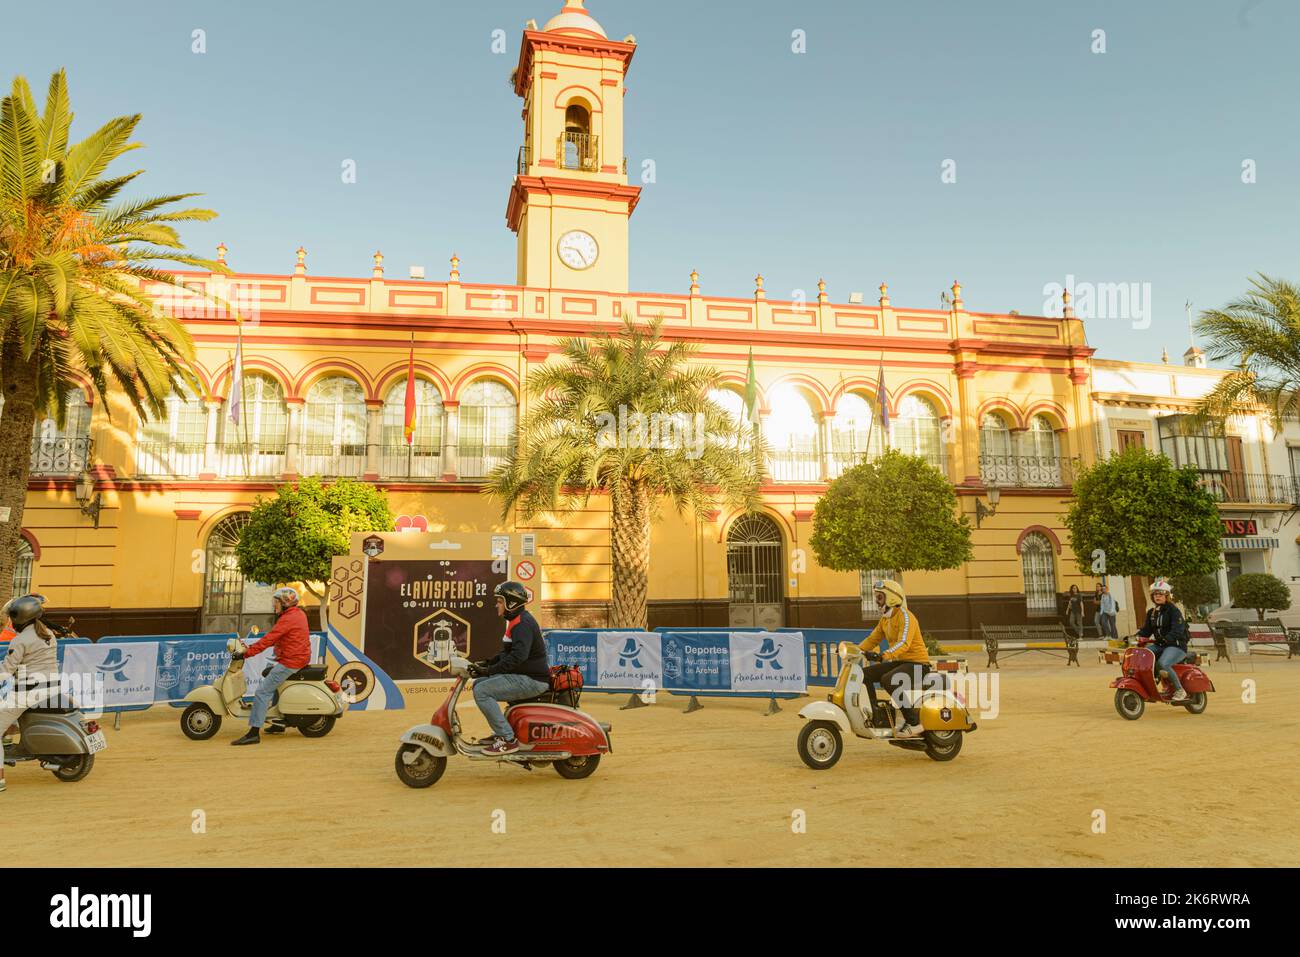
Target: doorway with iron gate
{"points": [[229, 603], [755, 573]]}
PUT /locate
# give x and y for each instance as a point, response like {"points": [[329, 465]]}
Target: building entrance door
{"points": [[755, 574]]}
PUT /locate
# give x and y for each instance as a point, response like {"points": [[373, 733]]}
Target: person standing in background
{"points": [[1107, 610], [1074, 611]]}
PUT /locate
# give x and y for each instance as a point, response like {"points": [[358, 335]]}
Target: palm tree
{"points": [[1260, 332], [627, 416], [72, 268]]}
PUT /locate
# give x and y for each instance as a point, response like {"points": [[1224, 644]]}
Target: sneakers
{"points": [[251, 736], [1179, 695], [501, 746], [2, 782], [911, 731]]}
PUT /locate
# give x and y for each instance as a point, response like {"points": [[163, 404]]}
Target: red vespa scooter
{"points": [[1137, 684], [548, 733]]}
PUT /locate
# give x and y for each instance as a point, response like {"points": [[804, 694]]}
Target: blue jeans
{"points": [[488, 691], [265, 691], [1168, 658]]}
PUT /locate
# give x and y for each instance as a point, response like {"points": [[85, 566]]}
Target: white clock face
{"points": [[578, 250]]}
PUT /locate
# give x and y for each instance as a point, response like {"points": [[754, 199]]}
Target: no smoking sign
{"points": [[525, 571]]}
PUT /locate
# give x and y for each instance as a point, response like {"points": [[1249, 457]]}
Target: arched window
{"points": [[23, 567], [263, 421], [228, 604], [791, 432], [917, 431], [422, 458], [576, 148], [174, 444], [1038, 568], [737, 430], [755, 573], [1042, 459], [64, 451], [334, 428], [997, 464], [488, 415], [851, 433]]}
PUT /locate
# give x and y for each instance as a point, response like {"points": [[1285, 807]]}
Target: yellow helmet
{"points": [[894, 595]]}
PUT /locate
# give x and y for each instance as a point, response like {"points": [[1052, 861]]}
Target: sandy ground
{"points": [[718, 787]]}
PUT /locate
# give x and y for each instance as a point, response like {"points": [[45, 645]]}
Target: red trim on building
{"points": [[1039, 528], [31, 540]]}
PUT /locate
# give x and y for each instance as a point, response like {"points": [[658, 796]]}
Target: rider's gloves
{"points": [[237, 656], [474, 670], [873, 656]]}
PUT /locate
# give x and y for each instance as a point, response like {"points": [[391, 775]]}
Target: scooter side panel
{"points": [[1193, 679], [305, 697], [552, 727], [943, 712], [51, 734], [825, 711], [432, 738]]}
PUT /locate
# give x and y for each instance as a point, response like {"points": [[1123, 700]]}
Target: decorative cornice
{"points": [[564, 186], [534, 40]]}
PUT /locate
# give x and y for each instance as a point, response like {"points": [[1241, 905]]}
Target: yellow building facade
{"points": [[990, 399]]}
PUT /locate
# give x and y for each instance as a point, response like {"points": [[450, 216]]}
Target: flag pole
{"points": [[243, 419]]}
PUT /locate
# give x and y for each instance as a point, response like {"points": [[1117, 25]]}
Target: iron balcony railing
{"points": [[795, 465], [173, 459], [477, 462], [60, 456], [261, 461], [578, 151], [333, 461], [525, 159], [1250, 488], [411, 461], [1026, 471]]}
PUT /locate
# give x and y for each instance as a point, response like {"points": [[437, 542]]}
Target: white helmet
{"points": [[288, 596], [1160, 585]]}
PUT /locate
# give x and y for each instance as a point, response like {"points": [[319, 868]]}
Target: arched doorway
{"points": [[227, 604], [755, 573]]}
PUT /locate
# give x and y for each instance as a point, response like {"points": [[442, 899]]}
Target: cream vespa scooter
{"points": [[306, 700], [943, 716]]}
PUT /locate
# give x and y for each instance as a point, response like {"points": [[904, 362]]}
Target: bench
{"points": [[1269, 633], [1019, 639]]}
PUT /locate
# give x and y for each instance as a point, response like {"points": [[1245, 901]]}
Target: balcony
{"points": [[169, 459], [525, 158], [333, 461], [261, 461], [478, 462], [795, 465], [1249, 488], [1026, 471], [578, 151], [61, 455], [411, 462]]}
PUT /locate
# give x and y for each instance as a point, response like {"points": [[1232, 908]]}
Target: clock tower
{"points": [[570, 202]]}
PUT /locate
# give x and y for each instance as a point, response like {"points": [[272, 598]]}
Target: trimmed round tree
{"points": [[1260, 592], [896, 512], [295, 536], [1194, 592], [1136, 514]]}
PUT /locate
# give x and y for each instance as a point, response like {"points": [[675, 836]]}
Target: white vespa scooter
{"points": [[307, 701], [943, 716]]}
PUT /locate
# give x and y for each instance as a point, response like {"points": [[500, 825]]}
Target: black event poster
{"points": [[410, 603]]}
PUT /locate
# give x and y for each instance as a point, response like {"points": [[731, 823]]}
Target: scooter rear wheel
{"points": [[1129, 704], [820, 745], [199, 722], [1196, 702], [577, 768], [318, 728], [424, 771], [943, 745], [76, 769]]}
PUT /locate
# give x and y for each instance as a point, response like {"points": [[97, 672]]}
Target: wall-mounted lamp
{"points": [[983, 511], [89, 500]]}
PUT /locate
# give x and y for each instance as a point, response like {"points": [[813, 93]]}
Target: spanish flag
{"points": [[409, 423]]}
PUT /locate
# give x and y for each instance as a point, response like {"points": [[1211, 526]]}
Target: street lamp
{"points": [[983, 511], [84, 492]]}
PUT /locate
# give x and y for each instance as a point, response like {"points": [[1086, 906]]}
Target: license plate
{"points": [[96, 742]]}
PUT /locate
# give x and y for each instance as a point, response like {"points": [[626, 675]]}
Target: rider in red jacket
{"points": [[292, 641]]}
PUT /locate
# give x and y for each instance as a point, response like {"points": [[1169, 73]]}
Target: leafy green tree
{"points": [[1195, 592], [71, 267], [897, 512], [1260, 334], [1260, 592], [295, 536], [627, 415], [1135, 514]]}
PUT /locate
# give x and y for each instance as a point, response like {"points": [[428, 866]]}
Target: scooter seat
{"points": [[52, 710], [308, 673]]}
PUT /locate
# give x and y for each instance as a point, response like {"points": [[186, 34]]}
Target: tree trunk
{"points": [[16, 421], [630, 548]]}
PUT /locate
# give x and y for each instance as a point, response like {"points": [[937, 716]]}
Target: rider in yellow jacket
{"points": [[904, 664]]}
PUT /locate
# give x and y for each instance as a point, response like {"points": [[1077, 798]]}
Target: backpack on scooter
{"points": [[566, 685]]}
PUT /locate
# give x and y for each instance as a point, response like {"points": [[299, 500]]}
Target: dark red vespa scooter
{"points": [[1137, 684], [548, 733]]}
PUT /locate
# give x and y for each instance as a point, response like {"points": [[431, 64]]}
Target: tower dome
{"points": [[574, 20]]}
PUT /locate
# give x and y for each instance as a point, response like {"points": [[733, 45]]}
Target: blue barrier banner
{"points": [[697, 661], [768, 661]]}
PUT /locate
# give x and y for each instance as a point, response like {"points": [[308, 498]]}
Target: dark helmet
{"points": [[515, 594], [25, 610]]}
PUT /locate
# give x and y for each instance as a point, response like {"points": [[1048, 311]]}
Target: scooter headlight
{"points": [[844, 649]]}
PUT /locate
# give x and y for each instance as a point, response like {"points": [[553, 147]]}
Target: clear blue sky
{"points": [[1115, 167]]}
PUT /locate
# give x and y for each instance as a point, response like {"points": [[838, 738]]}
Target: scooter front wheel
{"points": [[199, 722], [1129, 704], [577, 768], [820, 745], [423, 771]]}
